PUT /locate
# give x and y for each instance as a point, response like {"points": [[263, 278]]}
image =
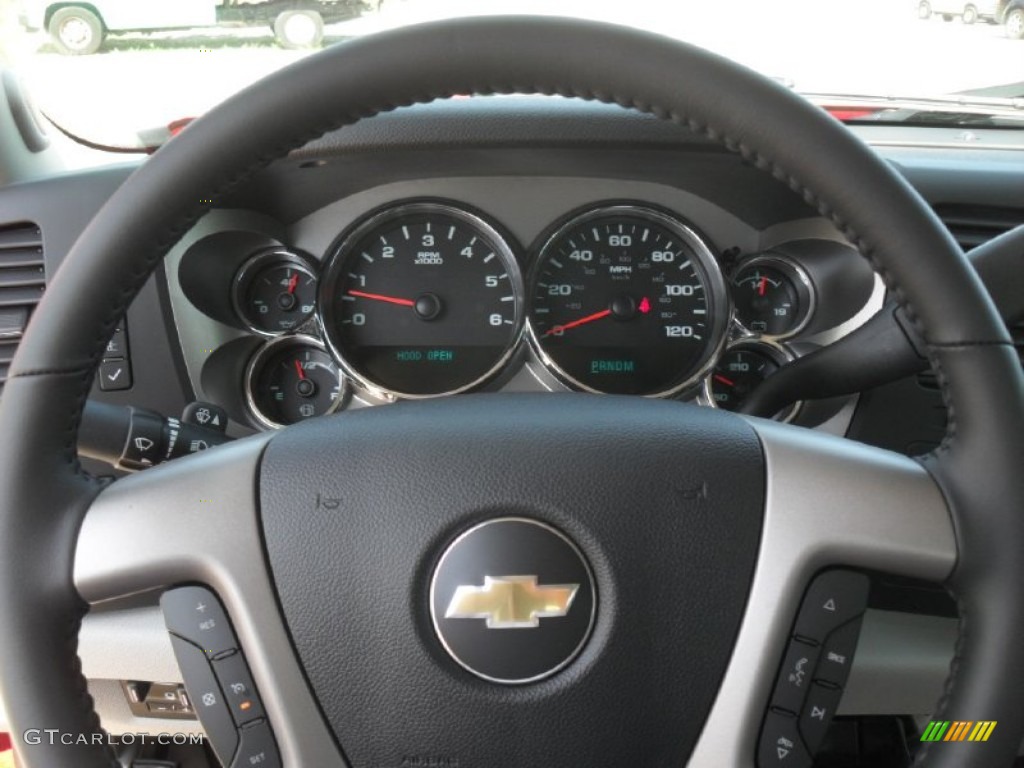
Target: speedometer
{"points": [[422, 299], [628, 300]]}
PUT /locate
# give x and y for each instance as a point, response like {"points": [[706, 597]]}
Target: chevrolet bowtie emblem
{"points": [[511, 602]]}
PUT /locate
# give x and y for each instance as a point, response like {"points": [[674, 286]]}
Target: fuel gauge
{"points": [[292, 379], [772, 296]]}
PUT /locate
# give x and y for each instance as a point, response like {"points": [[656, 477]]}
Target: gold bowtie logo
{"points": [[511, 602]]}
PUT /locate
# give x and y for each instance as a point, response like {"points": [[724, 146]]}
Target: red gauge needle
{"points": [[379, 297], [298, 368], [293, 282], [581, 321], [762, 286], [720, 378]]}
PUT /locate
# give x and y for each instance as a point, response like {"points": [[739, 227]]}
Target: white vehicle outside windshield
{"points": [[159, 61]]}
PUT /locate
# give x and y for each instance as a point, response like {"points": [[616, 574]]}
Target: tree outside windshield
{"points": [[195, 53]]}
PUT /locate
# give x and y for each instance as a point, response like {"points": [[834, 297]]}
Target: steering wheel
{"points": [[698, 530]]}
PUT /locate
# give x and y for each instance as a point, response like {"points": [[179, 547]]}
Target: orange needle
{"points": [[581, 321], [379, 297]]}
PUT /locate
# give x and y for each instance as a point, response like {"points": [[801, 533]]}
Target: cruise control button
{"points": [[209, 703], [781, 746], [833, 599], [818, 711], [236, 682], [837, 654], [195, 614], [795, 676], [258, 749]]}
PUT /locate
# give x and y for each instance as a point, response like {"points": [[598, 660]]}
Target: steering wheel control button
{"points": [[815, 667], [236, 681], [207, 699], [795, 676], [195, 614], [512, 600], [257, 749], [837, 654], [834, 598], [818, 710], [115, 375], [781, 745]]}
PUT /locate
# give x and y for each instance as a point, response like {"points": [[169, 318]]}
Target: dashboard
{"points": [[422, 289], [629, 258]]}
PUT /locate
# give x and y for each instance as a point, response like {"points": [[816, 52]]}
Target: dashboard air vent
{"points": [[972, 225], [22, 282]]}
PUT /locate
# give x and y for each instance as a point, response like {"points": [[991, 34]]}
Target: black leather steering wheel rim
{"points": [[44, 495]]}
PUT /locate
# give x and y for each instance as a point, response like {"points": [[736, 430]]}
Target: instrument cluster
{"points": [[427, 298]]}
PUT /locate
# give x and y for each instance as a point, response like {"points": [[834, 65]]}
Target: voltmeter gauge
{"points": [[773, 296], [275, 292], [292, 379]]}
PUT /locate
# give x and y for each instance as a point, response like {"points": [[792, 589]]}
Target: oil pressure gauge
{"points": [[275, 292]]}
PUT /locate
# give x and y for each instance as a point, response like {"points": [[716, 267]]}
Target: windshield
{"points": [[121, 71]]}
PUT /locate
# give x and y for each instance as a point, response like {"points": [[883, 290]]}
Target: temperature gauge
{"points": [[292, 379], [772, 296], [275, 292], [740, 369]]}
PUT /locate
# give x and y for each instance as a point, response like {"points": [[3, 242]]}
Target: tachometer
{"points": [[422, 299], [627, 300]]}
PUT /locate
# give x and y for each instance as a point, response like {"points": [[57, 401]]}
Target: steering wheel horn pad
{"points": [[953, 518], [665, 502]]}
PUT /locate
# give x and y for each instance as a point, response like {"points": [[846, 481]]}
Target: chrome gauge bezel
{"points": [[800, 279], [267, 350], [332, 273], [252, 267], [720, 304], [776, 350]]}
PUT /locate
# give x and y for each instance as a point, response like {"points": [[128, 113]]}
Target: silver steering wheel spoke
{"points": [[829, 502], [195, 520]]}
